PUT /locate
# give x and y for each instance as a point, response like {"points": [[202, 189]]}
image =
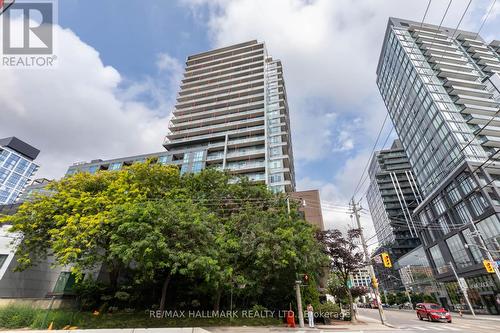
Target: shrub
{"points": [[17, 316], [59, 318]]}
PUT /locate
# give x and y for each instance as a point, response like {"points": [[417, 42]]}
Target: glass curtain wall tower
{"points": [[441, 89]]}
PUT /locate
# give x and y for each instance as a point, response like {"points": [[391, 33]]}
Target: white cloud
{"points": [[82, 109]]}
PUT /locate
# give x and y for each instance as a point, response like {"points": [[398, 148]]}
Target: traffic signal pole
{"points": [[369, 264], [485, 249]]}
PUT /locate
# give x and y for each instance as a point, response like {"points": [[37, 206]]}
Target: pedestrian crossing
{"points": [[449, 327]]}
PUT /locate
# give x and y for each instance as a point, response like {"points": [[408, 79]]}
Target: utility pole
{"points": [[485, 249], [463, 288], [369, 263], [299, 303]]}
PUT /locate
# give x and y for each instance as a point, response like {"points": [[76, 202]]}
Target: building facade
{"points": [[16, 168], [231, 114], [392, 195], [440, 87], [310, 205]]}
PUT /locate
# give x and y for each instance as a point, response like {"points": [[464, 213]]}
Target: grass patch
{"points": [[27, 317]]}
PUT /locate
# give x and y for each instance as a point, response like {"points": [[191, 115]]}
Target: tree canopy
{"points": [[149, 225]]}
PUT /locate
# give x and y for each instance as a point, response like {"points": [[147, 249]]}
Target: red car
{"points": [[433, 312]]}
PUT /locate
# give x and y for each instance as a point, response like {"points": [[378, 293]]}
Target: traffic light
{"points": [[386, 259], [489, 266], [374, 282]]}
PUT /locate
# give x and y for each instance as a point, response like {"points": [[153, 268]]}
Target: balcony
{"points": [[170, 143], [491, 67], [476, 109], [250, 58], [246, 167], [243, 76], [489, 130], [457, 90], [245, 141], [220, 98], [231, 117], [453, 60], [433, 39], [219, 89], [477, 119], [464, 83], [220, 105], [439, 64], [490, 141], [216, 112], [480, 53], [449, 73], [216, 128], [470, 100], [248, 154], [434, 52]]}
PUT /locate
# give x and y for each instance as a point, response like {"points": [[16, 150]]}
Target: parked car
{"points": [[432, 312]]}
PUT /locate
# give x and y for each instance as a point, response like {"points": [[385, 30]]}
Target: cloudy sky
{"points": [[120, 61]]}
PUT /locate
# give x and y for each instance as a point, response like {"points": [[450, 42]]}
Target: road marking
{"points": [[438, 329], [419, 328], [452, 328], [487, 327]]}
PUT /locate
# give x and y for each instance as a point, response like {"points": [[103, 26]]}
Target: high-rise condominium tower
{"points": [[231, 114], [392, 196], [441, 88]]}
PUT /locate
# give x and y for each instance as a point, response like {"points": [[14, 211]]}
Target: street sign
{"points": [[462, 283]]}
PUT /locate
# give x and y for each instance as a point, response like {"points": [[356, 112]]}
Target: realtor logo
{"points": [[35, 34]]}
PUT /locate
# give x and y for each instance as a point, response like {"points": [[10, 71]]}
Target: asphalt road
{"points": [[407, 321]]}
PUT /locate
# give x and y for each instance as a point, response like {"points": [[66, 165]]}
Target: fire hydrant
{"points": [[290, 318]]}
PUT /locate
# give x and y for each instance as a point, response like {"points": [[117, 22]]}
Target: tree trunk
{"points": [[351, 310], [114, 273], [218, 295], [164, 291]]}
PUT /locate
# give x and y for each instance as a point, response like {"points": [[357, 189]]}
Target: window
{"points": [[439, 205], [275, 151], [466, 183], [197, 166], [275, 178], [444, 225], [458, 251], [463, 213], [13, 179], [3, 156], [11, 161], [478, 203], [453, 193], [276, 164], [3, 174], [115, 166], [3, 258], [198, 156], [490, 230], [163, 159], [93, 168], [22, 166], [476, 253], [438, 259]]}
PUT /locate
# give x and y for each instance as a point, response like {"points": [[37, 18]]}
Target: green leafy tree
{"points": [[148, 223]]}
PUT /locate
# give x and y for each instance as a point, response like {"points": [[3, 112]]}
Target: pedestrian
{"points": [[310, 315]]}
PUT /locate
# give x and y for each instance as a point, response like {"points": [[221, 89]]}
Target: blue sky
{"points": [[120, 62]]}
